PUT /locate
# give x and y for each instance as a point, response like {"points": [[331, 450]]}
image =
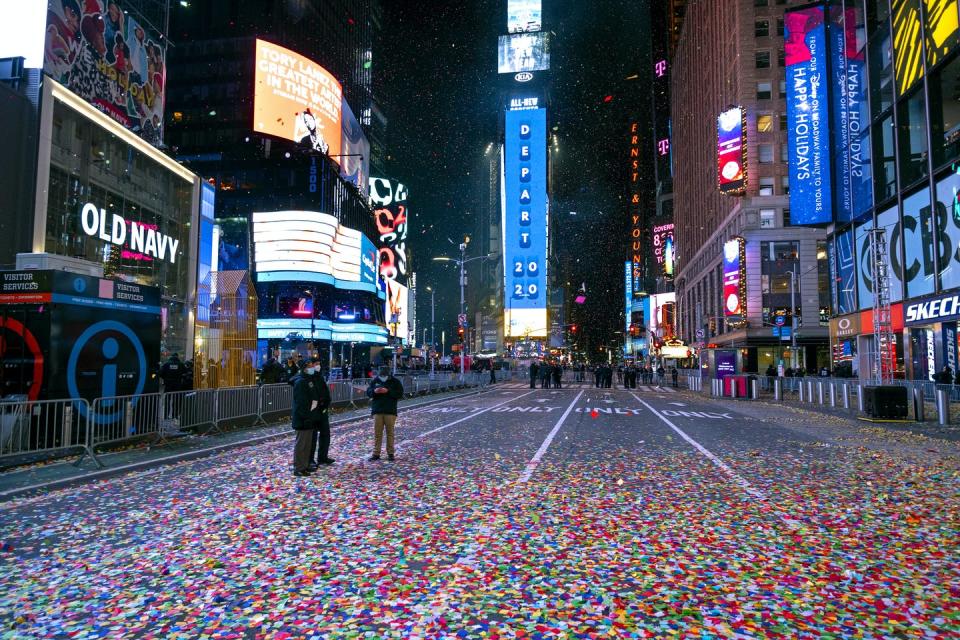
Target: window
{"points": [[765, 153], [783, 122], [780, 27], [785, 185], [786, 212], [783, 89], [881, 71], [764, 91], [945, 118], [781, 60], [912, 138], [761, 28], [784, 153], [948, 208], [768, 218], [777, 261], [885, 171], [764, 123], [918, 243], [760, 3], [766, 188], [762, 59]]}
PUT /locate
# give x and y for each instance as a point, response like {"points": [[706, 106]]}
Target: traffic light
{"points": [[573, 328], [460, 332]]}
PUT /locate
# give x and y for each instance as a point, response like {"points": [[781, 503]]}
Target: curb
{"points": [[186, 456]]}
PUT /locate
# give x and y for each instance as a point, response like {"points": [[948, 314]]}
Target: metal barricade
{"points": [[132, 417], [276, 400], [191, 410], [236, 406], [41, 428]]}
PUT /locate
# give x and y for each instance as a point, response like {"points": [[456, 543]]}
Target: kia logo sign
{"points": [[523, 76]]}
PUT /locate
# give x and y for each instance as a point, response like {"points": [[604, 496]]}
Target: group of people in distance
{"points": [[311, 418], [550, 374]]}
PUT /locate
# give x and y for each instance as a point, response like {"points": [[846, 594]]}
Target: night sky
{"points": [[439, 89]]}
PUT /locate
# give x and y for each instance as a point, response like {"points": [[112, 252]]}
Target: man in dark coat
{"points": [[172, 375], [557, 375], [384, 393], [302, 420], [534, 370], [320, 446]]}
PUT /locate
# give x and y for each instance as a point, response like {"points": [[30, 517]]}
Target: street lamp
{"points": [[433, 338], [461, 263]]}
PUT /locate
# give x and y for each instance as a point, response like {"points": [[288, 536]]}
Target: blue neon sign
{"points": [[808, 128]]}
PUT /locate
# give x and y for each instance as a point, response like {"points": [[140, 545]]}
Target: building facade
{"points": [[730, 56]]}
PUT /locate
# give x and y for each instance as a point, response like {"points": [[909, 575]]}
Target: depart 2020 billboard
{"points": [[102, 54], [297, 99], [733, 279], [525, 223], [731, 160], [308, 246], [808, 127]]}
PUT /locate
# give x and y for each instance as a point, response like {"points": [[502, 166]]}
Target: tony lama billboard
{"points": [[524, 211], [808, 129]]}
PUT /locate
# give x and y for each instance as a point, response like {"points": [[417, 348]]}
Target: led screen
{"points": [[808, 129], [110, 60], [524, 15], [390, 214], [355, 160], [523, 52], [908, 54], [307, 246], [396, 309], [733, 303], [663, 247], [297, 99], [731, 164], [627, 305], [525, 223]]}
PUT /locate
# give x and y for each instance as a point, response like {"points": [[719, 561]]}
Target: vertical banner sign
{"points": [[390, 199], [731, 152], [663, 247], [525, 222], [628, 306], [808, 130], [733, 279], [634, 210], [849, 106]]}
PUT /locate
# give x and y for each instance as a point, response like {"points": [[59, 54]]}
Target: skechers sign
{"points": [[144, 240], [808, 130], [933, 310], [525, 222]]}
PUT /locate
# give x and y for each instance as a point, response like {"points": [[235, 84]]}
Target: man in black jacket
{"points": [[384, 392], [534, 374], [304, 405], [320, 447]]}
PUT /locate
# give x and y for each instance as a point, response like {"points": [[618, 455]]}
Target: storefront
{"points": [[108, 197], [853, 346], [930, 331]]}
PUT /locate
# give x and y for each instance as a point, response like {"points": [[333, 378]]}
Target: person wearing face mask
{"points": [[384, 392], [320, 446], [303, 420]]}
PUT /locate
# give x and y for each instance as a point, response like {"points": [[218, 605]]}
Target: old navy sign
{"points": [[143, 240], [933, 310]]}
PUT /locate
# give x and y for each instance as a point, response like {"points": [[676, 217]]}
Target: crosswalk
{"points": [[588, 385]]}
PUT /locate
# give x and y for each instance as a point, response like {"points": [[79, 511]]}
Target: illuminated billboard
{"points": [[397, 310], [525, 223], [524, 15], [731, 152], [109, 59], [296, 99], [734, 279], [808, 127], [627, 306], [307, 246], [635, 212], [520, 52], [390, 213], [355, 159], [663, 247]]}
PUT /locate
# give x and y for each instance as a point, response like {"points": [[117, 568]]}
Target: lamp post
{"points": [[463, 280], [433, 337]]}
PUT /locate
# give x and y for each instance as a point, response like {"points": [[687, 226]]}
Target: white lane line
{"points": [[535, 460], [464, 419], [746, 486]]}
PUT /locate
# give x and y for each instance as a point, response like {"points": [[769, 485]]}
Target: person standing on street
{"points": [[302, 420], [557, 375], [545, 371], [384, 392], [172, 375], [534, 369], [320, 444], [493, 376], [674, 374], [660, 373], [597, 375]]}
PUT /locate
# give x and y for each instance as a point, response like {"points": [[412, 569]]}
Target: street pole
{"points": [[463, 354], [793, 321], [433, 338]]}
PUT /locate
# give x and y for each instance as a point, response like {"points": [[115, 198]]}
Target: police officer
{"points": [[534, 374], [172, 375], [302, 421], [320, 447]]}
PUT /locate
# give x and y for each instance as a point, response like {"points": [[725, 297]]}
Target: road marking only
{"points": [[535, 460]]}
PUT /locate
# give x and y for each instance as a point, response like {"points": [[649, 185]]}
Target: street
{"points": [[514, 513]]}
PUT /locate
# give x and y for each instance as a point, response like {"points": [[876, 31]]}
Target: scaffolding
{"points": [[885, 363]]}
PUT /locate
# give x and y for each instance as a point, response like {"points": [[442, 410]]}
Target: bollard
{"points": [[833, 394], [918, 408], [810, 391], [859, 397], [943, 407], [845, 393], [754, 388], [733, 388], [820, 392], [777, 389], [800, 390]]}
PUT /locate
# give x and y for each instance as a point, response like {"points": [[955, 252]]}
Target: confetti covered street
{"points": [[517, 513]]}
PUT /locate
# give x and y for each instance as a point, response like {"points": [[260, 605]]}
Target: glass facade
{"points": [[89, 164]]}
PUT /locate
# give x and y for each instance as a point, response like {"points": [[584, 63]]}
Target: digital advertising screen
{"points": [[733, 284], [308, 246], [296, 99], [731, 152], [808, 127], [390, 214], [355, 158], [523, 52], [525, 223], [105, 56], [663, 247], [627, 304], [524, 16], [396, 312]]}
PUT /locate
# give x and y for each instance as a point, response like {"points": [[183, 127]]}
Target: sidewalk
{"points": [[59, 473]]}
